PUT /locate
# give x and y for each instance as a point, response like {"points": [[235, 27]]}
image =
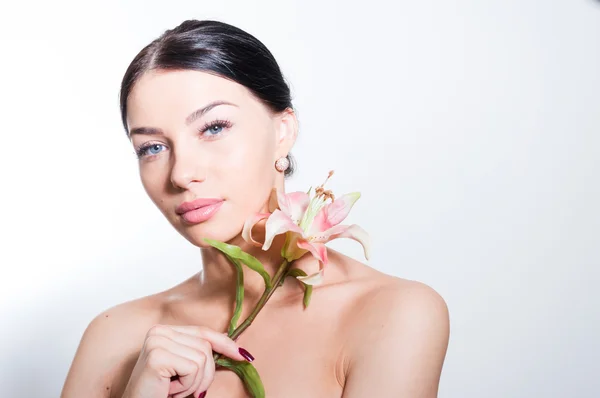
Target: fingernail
{"points": [[246, 354], [202, 395]]}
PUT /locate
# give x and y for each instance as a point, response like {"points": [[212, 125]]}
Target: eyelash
{"points": [[223, 123]]}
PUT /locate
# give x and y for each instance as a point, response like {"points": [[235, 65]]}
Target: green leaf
{"points": [[239, 295], [247, 372], [307, 288], [237, 253]]}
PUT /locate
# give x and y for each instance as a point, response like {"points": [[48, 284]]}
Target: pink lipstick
{"points": [[199, 210]]}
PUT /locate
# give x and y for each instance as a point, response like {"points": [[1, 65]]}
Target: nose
{"points": [[186, 168]]}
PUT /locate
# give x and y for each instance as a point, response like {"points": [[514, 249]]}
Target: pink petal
{"points": [[317, 249], [279, 223], [353, 231], [338, 210], [320, 223], [249, 224], [294, 204], [313, 279], [333, 213]]}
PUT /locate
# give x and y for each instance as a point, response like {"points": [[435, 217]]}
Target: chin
{"points": [[196, 234]]}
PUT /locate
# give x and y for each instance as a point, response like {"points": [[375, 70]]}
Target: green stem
{"points": [[261, 303]]}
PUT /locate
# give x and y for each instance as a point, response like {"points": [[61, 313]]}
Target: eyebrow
{"points": [[192, 117]]}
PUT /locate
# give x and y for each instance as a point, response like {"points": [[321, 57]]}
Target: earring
{"points": [[282, 164]]}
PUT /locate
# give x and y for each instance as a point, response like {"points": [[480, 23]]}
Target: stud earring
{"points": [[282, 164]]}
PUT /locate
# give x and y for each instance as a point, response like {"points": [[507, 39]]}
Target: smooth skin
{"points": [[365, 333]]}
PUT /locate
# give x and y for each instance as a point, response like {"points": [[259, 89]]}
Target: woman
{"points": [[211, 120]]}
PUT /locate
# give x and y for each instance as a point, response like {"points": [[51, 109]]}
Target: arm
{"points": [[101, 354], [399, 344]]}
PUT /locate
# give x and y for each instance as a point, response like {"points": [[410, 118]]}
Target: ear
{"points": [[286, 132]]}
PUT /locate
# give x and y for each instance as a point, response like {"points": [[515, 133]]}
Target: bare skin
{"points": [[365, 333]]}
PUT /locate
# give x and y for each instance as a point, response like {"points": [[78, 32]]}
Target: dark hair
{"points": [[218, 48]]}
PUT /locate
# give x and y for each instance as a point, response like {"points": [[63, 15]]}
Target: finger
{"points": [[220, 342], [168, 364], [206, 374], [200, 344], [188, 383], [203, 380], [209, 374], [190, 341]]}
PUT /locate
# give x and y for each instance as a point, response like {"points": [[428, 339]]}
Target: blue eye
{"points": [[215, 128], [210, 131], [152, 149]]}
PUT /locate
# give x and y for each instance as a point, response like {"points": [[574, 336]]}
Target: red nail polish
{"points": [[246, 354], [202, 395]]}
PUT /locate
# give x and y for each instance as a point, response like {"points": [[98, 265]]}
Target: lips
{"points": [[196, 204]]}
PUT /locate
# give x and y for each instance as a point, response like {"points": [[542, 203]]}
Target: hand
{"points": [[176, 361]]}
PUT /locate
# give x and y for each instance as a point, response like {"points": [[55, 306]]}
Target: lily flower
{"points": [[309, 223]]}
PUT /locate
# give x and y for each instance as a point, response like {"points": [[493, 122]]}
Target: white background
{"points": [[469, 126]]}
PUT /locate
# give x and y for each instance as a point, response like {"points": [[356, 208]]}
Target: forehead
{"points": [[163, 97]]}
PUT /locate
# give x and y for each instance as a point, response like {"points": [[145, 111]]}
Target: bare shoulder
{"points": [[401, 328], [407, 299], [106, 342], [387, 301], [380, 295]]}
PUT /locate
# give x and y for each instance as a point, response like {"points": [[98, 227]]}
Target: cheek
{"points": [[249, 176], [152, 181], [248, 164]]}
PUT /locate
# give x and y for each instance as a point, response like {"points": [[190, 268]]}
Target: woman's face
{"points": [[225, 152]]}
